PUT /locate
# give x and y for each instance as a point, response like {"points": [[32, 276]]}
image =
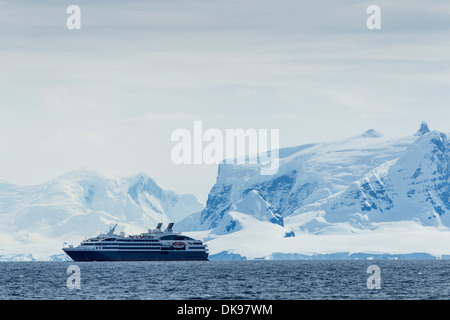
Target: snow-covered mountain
{"points": [[36, 220], [366, 196], [374, 188]]}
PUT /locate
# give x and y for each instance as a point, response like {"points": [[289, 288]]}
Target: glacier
{"points": [[368, 195]]}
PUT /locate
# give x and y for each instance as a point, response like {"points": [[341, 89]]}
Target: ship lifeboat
{"points": [[178, 245]]}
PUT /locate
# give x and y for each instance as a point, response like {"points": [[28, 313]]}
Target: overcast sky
{"points": [[108, 96]]}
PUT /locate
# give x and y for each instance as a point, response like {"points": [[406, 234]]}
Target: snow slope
{"points": [[255, 239]]}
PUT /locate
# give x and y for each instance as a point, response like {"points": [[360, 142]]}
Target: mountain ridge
{"points": [[83, 203], [370, 183]]}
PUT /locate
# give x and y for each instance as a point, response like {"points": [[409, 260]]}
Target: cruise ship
{"points": [[155, 245]]}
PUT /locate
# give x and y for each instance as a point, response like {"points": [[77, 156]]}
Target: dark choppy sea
{"points": [[253, 280]]}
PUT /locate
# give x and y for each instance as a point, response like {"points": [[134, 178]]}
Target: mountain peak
{"points": [[423, 129], [371, 133], [254, 204], [86, 173]]}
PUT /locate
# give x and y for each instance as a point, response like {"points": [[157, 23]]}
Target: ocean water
{"points": [[252, 280]]}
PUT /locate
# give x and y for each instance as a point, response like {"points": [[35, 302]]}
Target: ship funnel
{"points": [[111, 230], [169, 227], [158, 227]]}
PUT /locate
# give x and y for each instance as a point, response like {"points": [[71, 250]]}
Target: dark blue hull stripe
{"points": [[78, 255]]}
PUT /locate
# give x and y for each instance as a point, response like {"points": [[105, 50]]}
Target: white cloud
{"points": [[138, 70]]}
